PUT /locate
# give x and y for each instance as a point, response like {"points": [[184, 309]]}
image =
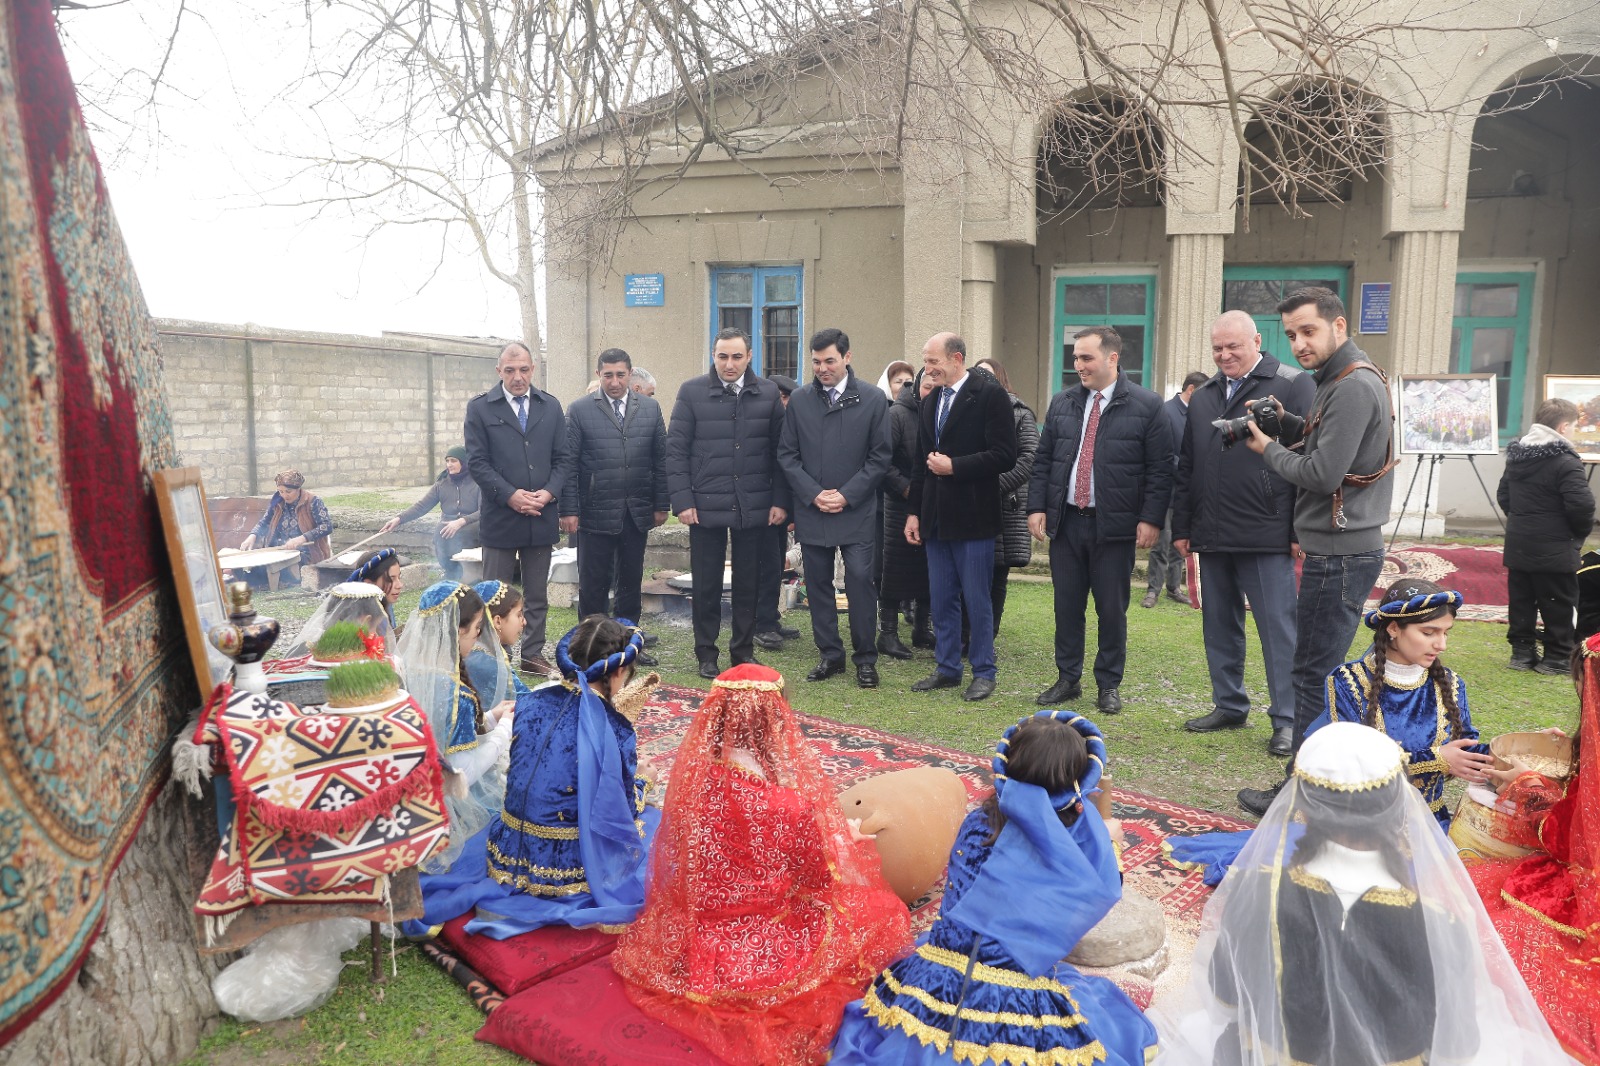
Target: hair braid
{"points": [[1444, 682], [1380, 658]]}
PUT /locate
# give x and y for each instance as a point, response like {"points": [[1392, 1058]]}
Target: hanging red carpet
{"points": [[93, 670]]}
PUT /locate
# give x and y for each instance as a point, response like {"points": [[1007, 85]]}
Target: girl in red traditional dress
{"points": [[1547, 906], [766, 910]]}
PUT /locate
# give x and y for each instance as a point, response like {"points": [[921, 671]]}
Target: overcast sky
{"points": [[192, 178]]}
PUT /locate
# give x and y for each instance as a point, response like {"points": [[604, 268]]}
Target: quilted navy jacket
{"points": [[722, 451], [618, 468]]}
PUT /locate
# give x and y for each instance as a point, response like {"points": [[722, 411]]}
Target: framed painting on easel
{"points": [[181, 498], [1583, 390]]}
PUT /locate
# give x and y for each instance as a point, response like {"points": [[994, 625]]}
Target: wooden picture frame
{"points": [[1583, 390], [181, 499], [1448, 414]]}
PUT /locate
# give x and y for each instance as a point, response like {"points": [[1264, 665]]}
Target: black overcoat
{"points": [[502, 459], [843, 447]]}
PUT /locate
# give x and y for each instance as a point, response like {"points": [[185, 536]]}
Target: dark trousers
{"points": [[1165, 562], [708, 546], [529, 569], [959, 572], [1552, 597], [769, 579], [859, 589], [1267, 580], [601, 554], [1081, 564], [1333, 593]]}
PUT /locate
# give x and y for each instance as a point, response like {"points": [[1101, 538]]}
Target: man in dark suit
{"points": [[517, 453], [724, 484], [1102, 479], [770, 630], [1165, 564], [834, 451], [1239, 516], [618, 492], [966, 441]]}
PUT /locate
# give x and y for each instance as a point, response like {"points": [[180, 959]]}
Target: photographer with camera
{"points": [[1228, 506], [1339, 457]]}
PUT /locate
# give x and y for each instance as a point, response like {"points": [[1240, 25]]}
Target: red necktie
{"points": [[1080, 489]]}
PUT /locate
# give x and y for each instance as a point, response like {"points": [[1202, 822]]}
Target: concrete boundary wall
{"points": [[248, 401]]}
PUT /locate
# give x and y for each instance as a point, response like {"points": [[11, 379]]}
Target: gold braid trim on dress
{"points": [[993, 975], [534, 888], [939, 1006], [966, 1051], [544, 832], [1534, 912], [574, 873]]}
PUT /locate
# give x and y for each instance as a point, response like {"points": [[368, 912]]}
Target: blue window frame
{"points": [[766, 302]]}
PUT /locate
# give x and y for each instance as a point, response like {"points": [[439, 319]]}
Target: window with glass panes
{"points": [[1258, 290], [1489, 330], [1124, 301], [765, 303]]}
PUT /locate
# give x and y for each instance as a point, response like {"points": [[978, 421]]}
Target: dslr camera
{"points": [[1265, 414]]}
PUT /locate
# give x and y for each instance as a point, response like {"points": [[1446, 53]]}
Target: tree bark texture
{"points": [[143, 995]]}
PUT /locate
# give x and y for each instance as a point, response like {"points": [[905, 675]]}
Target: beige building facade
{"points": [[1474, 248]]}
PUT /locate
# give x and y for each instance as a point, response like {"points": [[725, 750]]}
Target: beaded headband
{"points": [[1417, 606], [373, 565], [600, 667], [499, 592], [1093, 739], [449, 592]]}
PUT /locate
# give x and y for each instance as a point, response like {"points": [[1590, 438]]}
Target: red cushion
{"points": [[584, 1016], [528, 958]]}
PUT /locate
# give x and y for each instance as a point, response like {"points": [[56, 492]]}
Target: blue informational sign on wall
{"points": [[1374, 311], [644, 290]]}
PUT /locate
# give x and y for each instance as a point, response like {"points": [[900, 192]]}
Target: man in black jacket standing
{"points": [[618, 493], [1102, 479], [724, 484], [834, 451], [517, 453], [966, 441], [1239, 516]]}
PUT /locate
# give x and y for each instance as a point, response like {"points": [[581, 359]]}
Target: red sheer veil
{"points": [[754, 852], [1584, 797]]}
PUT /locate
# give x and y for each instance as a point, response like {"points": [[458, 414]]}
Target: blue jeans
{"points": [[960, 571], [1333, 591], [1267, 580]]}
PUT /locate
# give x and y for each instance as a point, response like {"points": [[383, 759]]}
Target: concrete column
{"points": [[1190, 300], [1419, 329], [566, 290], [932, 264], [978, 276], [1423, 300]]}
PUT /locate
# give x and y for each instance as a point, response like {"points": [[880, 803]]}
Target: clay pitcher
{"points": [[914, 816]]}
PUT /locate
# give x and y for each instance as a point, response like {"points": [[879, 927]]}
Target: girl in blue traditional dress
{"points": [[505, 623], [1402, 688], [568, 846], [1032, 871], [470, 726]]}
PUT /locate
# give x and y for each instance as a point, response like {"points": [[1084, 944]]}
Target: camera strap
{"points": [[1389, 461]]}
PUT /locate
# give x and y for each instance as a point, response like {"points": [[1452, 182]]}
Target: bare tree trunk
{"points": [[143, 995]]}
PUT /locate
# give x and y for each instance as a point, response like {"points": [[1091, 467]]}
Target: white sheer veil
{"points": [[348, 601], [1348, 932]]}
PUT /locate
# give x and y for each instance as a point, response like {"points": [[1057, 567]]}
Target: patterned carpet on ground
{"points": [[853, 753], [1477, 572]]}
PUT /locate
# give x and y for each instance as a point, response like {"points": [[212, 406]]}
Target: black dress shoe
{"points": [[772, 640], [1523, 660], [644, 658], [1257, 800], [922, 638], [867, 675], [1062, 691], [825, 669], [1218, 719], [1109, 702], [936, 680], [708, 669], [787, 632], [980, 689], [1552, 664], [1282, 742], [651, 640], [889, 644], [1179, 596], [748, 660], [1150, 598]]}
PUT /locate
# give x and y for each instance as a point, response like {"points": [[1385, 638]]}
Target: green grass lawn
{"points": [[423, 1017]]}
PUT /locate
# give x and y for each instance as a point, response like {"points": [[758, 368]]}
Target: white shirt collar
{"points": [[966, 376], [1105, 394], [512, 400], [1250, 370]]}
